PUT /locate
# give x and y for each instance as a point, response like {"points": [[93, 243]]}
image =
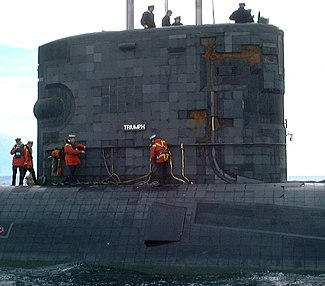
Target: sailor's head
{"points": [[242, 5], [30, 143], [72, 138], [18, 140], [151, 7]]}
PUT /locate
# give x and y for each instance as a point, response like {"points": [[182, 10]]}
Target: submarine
{"points": [[216, 94]]}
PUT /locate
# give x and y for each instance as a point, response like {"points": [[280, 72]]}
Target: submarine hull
{"points": [[219, 227], [216, 94]]}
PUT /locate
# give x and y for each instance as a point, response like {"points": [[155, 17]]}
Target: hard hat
{"points": [[72, 136], [152, 137]]}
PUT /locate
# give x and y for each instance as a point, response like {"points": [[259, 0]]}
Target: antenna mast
{"points": [[129, 14], [214, 21], [198, 12]]}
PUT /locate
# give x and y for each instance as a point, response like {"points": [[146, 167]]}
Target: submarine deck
{"points": [[275, 226]]}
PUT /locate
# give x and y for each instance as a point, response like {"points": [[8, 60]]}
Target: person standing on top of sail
{"points": [[160, 156], [177, 21], [166, 19], [241, 15], [148, 18]]}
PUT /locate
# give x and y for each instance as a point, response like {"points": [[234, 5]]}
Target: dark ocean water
{"points": [[77, 275], [5, 180]]}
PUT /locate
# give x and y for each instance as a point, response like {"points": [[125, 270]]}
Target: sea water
{"points": [[84, 275], [5, 180]]}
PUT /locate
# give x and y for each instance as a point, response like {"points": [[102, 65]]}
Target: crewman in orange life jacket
{"points": [[160, 156], [29, 164], [18, 161], [72, 149]]}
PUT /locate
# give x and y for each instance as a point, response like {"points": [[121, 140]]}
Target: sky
{"points": [[26, 25]]}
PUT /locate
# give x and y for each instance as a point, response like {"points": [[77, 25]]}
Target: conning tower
{"points": [[215, 92]]}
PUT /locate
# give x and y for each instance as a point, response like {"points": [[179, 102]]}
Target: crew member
{"points": [[148, 18], [18, 160], [160, 156], [57, 155], [72, 149], [166, 19], [177, 21], [28, 164], [241, 15]]}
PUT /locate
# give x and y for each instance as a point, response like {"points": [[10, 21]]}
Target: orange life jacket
{"points": [[29, 158], [159, 151], [19, 157], [72, 154]]}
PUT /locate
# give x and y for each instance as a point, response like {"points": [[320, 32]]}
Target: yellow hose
{"points": [[183, 164]]}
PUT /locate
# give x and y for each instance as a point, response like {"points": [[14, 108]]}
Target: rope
{"points": [[183, 165], [115, 179], [171, 172]]}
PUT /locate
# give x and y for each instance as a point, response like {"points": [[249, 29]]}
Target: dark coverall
{"points": [[241, 16], [148, 19], [166, 21]]}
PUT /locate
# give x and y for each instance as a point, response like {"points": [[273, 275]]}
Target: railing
{"points": [[130, 165]]}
